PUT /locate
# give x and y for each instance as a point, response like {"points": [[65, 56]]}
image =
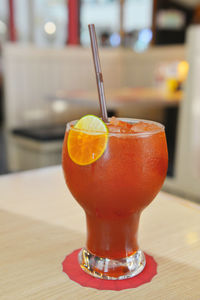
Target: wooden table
{"points": [[123, 96], [40, 223]]}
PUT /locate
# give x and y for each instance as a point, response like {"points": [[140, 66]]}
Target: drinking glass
{"points": [[113, 191]]}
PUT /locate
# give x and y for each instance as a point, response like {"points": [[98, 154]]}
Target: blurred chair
{"points": [[33, 76], [186, 181]]}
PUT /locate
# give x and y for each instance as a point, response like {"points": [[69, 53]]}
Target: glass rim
{"points": [[146, 133]]}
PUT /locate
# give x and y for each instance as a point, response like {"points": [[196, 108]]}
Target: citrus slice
{"points": [[87, 140]]}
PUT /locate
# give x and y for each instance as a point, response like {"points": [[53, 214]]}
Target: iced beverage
{"points": [[114, 190]]}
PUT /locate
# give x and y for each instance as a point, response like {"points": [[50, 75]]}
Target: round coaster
{"points": [[75, 273]]}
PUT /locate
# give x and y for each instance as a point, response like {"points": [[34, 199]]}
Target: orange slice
{"points": [[87, 140]]}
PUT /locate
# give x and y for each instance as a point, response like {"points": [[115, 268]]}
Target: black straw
{"points": [[98, 72]]}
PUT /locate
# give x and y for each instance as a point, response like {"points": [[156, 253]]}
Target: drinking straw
{"points": [[98, 72]]}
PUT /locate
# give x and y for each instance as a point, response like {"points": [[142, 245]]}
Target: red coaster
{"points": [[75, 273]]}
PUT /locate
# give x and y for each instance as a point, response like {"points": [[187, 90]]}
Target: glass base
{"points": [[112, 269]]}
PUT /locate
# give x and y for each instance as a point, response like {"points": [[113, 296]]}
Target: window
{"points": [[50, 22], [3, 20], [42, 22], [104, 14]]}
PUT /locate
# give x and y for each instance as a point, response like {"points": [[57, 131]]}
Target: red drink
{"points": [[115, 189]]}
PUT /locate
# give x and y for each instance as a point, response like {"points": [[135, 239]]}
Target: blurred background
{"points": [[150, 58]]}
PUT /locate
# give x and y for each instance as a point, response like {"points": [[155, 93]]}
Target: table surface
{"points": [[40, 223], [125, 96]]}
